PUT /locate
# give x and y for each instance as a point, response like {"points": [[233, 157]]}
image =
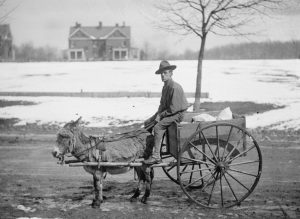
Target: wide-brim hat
{"points": [[165, 65]]}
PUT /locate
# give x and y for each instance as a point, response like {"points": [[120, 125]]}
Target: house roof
{"points": [[5, 31], [97, 32]]}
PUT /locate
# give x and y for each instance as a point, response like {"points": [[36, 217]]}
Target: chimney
{"points": [[124, 24], [117, 25], [100, 24], [77, 25]]}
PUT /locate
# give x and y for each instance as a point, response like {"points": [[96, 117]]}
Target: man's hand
{"points": [[147, 122], [158, 118]]}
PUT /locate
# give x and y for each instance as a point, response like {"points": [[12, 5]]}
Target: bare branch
{"points": [[216, 16], [5, 15]]}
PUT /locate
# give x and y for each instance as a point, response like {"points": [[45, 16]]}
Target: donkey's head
{"points": [[65, 140]]}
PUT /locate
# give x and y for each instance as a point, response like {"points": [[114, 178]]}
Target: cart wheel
{"points": [[229, 161], [171, 171]]}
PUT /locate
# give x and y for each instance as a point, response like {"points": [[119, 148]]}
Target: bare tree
{"points": [[220, 17], [4, 11]]}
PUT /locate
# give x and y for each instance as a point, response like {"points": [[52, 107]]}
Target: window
{"points": [[72, 55], [120, 54], [76, 54], [123, 54], [117, 55], [79, 54]]}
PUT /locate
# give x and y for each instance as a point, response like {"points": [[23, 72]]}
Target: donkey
{"points": [[125, 147]]}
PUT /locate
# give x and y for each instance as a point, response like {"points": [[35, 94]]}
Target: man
{"points": [[172, 106]]}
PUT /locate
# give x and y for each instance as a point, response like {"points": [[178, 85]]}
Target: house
{"points": [[6, 45], [100, 43]]}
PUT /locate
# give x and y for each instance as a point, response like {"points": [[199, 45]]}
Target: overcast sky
{"points": [[47, 22]]}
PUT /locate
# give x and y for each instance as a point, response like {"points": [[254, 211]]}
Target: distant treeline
{"points": [[27, 52], [254, 50], [263, 50]]}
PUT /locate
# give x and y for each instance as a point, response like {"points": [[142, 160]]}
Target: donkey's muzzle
{"points": [[55, 154]]}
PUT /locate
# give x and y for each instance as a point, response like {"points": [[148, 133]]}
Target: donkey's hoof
{"points": [[96, 203], [133, 199], [144, 200]]}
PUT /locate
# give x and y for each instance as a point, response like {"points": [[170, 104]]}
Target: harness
{"points": [[98, 143]]}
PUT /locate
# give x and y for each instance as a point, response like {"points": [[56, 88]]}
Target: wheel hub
{"points": [[221, 166]]}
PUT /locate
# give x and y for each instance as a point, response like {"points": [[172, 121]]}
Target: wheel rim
{"points": [[231, 164]]}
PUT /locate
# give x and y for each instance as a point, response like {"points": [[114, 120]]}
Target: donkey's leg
{"points": [[98, 186], [149, 173], [138, 189]]}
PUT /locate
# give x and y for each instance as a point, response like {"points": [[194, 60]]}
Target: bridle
{"points": [[71, 148]]}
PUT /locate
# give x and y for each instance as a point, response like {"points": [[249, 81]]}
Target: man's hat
{"points": [[164, 65]]}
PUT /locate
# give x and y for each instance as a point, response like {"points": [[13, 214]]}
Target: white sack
{"points": [[204, 117], [225, 114]]}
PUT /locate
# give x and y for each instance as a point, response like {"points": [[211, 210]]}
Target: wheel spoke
{"points": [[203, 147], [209, 146], [239, 171], [198, 161], [184, 168], [170, 168], [227, 141], [198, 180], [242, 163], [166, 156], [193, 171], [235, 147], [239, 155], [230, 188], [191, 176], [200, 172], [212, 189], [238, 181], [202, 153], [218, 143], [221, 187], [207, 182]]}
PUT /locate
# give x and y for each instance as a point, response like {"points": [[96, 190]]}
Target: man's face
{"points": [[166, 75]]}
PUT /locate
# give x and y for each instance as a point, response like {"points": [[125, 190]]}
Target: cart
{"points": [[217, 164]]}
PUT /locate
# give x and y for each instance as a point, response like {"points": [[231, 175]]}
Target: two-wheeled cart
{"points": [[217, 164]]}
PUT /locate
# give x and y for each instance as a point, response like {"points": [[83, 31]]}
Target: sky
{"points": [[47, 23]]}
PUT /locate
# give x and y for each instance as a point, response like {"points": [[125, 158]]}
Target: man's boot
{"points": [[155, 157]]}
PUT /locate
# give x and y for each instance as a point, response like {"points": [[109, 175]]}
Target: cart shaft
{"points": [[119, 164]]}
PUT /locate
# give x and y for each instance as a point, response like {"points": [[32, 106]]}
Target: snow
{"points": [[261, 81]]}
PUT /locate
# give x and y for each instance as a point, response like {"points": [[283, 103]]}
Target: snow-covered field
{"points": [[261, 81]]}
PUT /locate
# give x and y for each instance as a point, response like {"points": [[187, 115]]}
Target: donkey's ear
{"points": [[76, 123]]}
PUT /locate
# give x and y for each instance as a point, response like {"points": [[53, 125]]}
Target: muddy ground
{"points": [[33, 185]]}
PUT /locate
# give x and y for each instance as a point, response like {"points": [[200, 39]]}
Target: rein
{"points": [[80, 153]]}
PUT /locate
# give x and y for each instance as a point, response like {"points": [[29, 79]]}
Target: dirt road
{"points": [[33, 185]]}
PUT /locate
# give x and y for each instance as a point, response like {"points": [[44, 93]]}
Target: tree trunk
{"points": [[199, 75]]}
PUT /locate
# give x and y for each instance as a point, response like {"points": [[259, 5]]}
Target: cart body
{"points": [[177, 133]]}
